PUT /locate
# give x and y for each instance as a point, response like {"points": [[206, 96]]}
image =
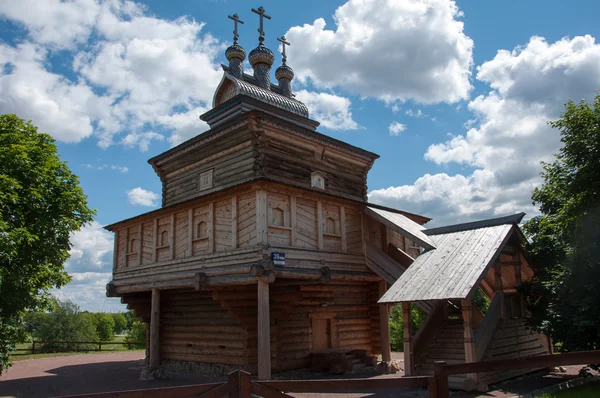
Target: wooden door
{"points": [[321, 334]]}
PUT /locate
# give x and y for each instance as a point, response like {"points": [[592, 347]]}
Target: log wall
{"points": [[227, 222]]}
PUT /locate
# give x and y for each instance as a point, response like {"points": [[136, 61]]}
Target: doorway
{"points": [[321, 334]]}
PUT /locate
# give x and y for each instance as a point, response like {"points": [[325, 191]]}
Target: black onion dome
{"points": [[235, 51], [261, 55], [284, 72]]}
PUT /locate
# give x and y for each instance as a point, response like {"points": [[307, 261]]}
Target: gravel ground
{"points": [[81, 374]]}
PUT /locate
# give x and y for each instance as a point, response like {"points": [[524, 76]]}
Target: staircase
{"points": [[447, 345]]}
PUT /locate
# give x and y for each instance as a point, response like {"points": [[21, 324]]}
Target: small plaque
{"points": [[278, 258]]}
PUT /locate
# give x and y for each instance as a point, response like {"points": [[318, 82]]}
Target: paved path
{"points": [[89, 373]]}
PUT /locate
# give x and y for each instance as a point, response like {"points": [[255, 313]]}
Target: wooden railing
{"points": [[240, 385], [487, 326], [75, 343], [439, 387]]}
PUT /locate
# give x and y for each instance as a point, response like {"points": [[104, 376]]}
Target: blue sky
{"points": [[454, 95]]}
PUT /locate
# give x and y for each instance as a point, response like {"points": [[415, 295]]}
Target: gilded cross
{"points": [[283, 41], [261, 12], [236, 20]]}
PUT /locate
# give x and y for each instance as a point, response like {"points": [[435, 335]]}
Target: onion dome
{"points": [[284, 72], [261, 55], [235, 51]]}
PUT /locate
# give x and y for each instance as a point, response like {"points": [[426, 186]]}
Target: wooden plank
{"points": [[320, 224], [210, 230], [172, 238], [293, 218], [261, 216], [409, 365], [343, 228], [469, 345], [386, 350], [217, 392], [155, 330], [264, 331], [340, 385], [116, 251], [191, 231], [171, 392], [268, 392], [139, 244], [154, 246], [234, 224]]}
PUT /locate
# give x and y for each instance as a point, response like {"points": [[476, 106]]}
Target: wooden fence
{"points": [[95, 343], [239, 384]]}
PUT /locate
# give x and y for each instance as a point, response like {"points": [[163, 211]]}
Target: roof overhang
{"points": [[401, 224]]}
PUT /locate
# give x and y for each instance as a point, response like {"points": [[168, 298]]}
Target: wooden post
{"points": [[498, 287], [234, 223], [191, 231], [33, 347], [261, 216], [139, 244], [240, 384], [293, 214], [320, 224], [155, 240], [116, 251], [172, 238], [343, 228], [264, 331], [210, 228], [518, 282], [154, 330], [442, 379], [467, 313], [386, 350], [409, 364]]}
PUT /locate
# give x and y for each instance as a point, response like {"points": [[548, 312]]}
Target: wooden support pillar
{"points": [[518, 282], [386, 350], [409, 364], [155, 330], [467, 314], [261, 217], [264, 331], [498, 287]]}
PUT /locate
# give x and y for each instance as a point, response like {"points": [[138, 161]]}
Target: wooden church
{"points": [[266, 252]]}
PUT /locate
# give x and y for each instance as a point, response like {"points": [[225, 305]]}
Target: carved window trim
{"points": [[206, 180], [317, 180]]}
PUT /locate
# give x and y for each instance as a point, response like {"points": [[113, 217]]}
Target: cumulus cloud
{"points": [[122, 169], [139, 196], [132, 73], [332, 111], [391, 50], [509, 136], [396, 128], [90, 268]]}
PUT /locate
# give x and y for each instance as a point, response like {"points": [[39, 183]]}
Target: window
{"points": [[330, 226], [133, 246], [206, 180], [164, 238], [317, 180], [277, 217]]}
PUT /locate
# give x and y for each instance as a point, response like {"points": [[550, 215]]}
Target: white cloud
{"points": [[122, 169], [90, 268], [332, 111], [396, 128], [416, 114], [133, 74], [391, 50], [139, 196], [509, 136]]}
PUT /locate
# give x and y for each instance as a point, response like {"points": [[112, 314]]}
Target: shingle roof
{"points": [[402, 225], [453, 269]]}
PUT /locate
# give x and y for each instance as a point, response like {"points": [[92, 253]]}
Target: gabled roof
{"points": [[463, 253], [401, 224]]}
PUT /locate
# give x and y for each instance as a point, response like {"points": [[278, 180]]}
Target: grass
{"points": [[591, 390], [23, 355]]}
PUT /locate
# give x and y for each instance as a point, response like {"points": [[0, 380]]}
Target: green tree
{"points": [[396, 322], [105, 325], [564, 243], [120, 323], [137, 334], [41, 204], [66, 322]]}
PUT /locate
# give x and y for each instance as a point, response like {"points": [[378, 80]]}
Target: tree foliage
{"points": [[41, 204], [564, 296], [417, 317], [120, 322], [105, 325], [136, 334], [66, 322]]}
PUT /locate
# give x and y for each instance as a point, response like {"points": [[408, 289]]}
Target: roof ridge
{"points": [[490, 222]]}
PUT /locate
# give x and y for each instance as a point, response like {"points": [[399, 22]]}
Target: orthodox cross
{"points": [[236, 20], [262, 14], [283, 41]]}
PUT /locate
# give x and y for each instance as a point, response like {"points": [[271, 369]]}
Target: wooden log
{"points": [[264, 333], [155, 330], [408, 345], [386, 350]]}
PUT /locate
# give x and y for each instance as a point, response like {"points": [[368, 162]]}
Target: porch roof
{"points": [[401, 224], [455, 267]]}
